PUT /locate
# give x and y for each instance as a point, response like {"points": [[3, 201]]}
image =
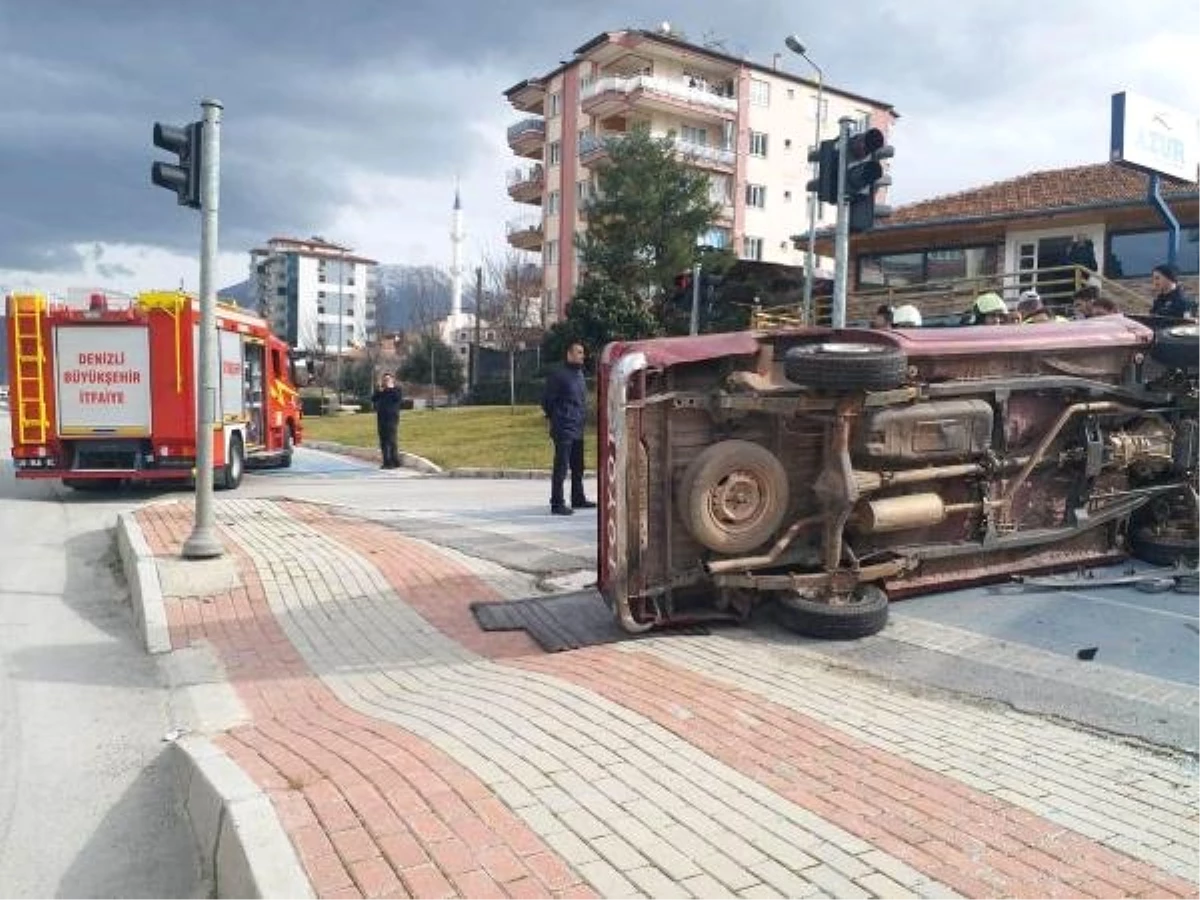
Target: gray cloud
{"points": [[321, 96]]}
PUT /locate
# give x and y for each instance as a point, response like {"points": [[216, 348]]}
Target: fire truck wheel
{"points": [[865, 614], [289, 448], [843, 365], [733, 496], [235, 466]]}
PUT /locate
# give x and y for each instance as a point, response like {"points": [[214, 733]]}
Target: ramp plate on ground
{"points": [[561, 621]]}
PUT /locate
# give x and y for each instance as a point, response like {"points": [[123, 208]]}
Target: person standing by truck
{"points": [[387, 401], [565, 406]]}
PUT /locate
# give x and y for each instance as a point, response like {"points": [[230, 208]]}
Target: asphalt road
{"points": [[87, 807]]}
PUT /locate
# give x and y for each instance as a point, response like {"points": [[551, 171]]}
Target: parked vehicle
{"points": [[832, 470], [105, 391]]}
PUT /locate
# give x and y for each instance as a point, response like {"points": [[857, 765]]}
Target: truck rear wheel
{"points": [[235, 465], [289, 447], [866, 613]]}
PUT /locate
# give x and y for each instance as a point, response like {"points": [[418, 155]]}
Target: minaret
{"points": [[456, 273]]}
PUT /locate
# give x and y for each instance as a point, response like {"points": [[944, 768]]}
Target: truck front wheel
{"points": [[865, 613], [235, 465]]}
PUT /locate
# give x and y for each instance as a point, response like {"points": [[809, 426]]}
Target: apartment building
{"points": [[748, 126], [318, 296]]}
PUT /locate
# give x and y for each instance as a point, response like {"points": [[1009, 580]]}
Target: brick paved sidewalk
{"points": [[408, 753]]}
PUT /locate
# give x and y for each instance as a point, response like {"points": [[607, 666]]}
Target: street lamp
{"points": [[810, 261]]}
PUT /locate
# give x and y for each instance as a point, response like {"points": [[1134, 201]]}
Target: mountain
{"points": [[406, 296]]}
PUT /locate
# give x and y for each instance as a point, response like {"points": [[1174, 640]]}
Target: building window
{"points": [[555, 101], [552, 201], [1132, 254], [690, 134], [583, 191], [555, 153], [862, 119], [715, 237], [551, 253], [927, 267], [752, 248], [823, 111], [758, 144], [756, 195], [760, 92]]}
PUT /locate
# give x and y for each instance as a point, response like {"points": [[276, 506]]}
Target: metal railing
{"points": [[675, 89], [949, 299], [532, 125]]}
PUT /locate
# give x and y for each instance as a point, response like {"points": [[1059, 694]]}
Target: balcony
{"points": [[702, 156], [527, 185], [614, 95], [525, 234], [529, 97], [593, 149], [527, 137]]}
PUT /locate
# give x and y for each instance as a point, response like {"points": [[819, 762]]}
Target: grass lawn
{"points": [[458, 437]]}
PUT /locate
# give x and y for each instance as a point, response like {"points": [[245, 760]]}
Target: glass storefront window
{"points": [[1133, 254], [927, 267]]}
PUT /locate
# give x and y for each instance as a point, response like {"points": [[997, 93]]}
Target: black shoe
{"points": [[583, 504], [560, 510]]}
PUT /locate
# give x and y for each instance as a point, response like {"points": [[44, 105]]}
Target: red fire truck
{"points": [[104, 390]]}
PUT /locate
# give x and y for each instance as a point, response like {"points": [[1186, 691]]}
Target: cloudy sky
{"points": [[352, 119]]}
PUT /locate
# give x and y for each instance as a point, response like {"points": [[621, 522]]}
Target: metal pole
{"points": [[341, 323], [1154, 198], [203, 542], [694, 328], [810, 260], [842, 245], [478, 313]]}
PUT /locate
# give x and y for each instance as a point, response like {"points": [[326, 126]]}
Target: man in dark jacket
{"points": [[565, 406], [1169, 299], [387, 402]]}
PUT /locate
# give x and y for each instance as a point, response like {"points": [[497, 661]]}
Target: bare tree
{"points": [[512, 306]]}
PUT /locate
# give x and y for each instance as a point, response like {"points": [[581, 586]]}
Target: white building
{"points": [[317, 295]]}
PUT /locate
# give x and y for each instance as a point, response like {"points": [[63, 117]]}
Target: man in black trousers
{"points": [[387, 402], [565, 406]]}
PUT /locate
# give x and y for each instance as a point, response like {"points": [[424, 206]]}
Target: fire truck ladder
{"points": [[30, 388]]}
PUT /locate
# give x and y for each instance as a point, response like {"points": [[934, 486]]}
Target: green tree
{"points": [[599, 313], [447, 368], [643, 223]]}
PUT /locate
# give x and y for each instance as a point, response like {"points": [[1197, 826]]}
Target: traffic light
{"points": [[184, 178], [825, 185], [864, 176]]}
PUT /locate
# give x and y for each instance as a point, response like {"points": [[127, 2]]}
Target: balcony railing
{"points": [[526, 175], [669, 87], [705, 153], [530, 126]]}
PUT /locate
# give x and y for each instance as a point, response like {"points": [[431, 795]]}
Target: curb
{"points": [[420, 464], [241, 842], [235, 825], [407, 460], [145, 591]]}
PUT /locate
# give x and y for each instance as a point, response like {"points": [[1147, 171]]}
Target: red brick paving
{"points": [[371, 809], [950, 831]]}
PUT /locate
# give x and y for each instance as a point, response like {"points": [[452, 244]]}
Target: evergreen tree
{"points": [[447, 368]]}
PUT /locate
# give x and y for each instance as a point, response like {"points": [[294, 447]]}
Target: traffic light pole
{"points": [[203, 542], [841, 263]]}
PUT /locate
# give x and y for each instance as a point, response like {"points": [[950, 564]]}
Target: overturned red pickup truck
{"points": [[830, 470]]}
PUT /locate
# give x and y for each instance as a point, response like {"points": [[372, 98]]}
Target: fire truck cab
{"points": [[104, 389]]}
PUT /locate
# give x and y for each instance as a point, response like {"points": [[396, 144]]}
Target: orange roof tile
{"points": [[1104, 184]]}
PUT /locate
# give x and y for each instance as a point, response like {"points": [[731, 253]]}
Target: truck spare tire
{"points": [[1177, 346], [733, 496], [844, 365]]}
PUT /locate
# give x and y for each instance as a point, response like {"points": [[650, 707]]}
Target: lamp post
{"points": [[810, 261]]}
